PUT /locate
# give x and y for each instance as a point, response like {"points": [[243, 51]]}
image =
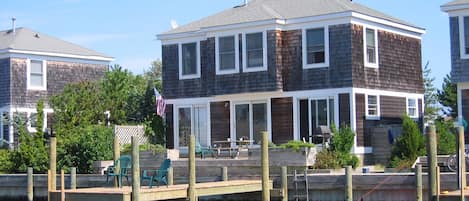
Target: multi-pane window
{"points": [[466, 35], [227, 54], [371, 50], [412, 107], [250, 120], [315, 46], [254, 50], [372, 106], [37, 74]]}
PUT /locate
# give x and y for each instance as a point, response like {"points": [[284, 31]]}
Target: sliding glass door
{"points": [[315, 112], [250, 120], [193, 119]]}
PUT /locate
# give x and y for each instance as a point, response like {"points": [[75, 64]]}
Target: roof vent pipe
{"points": [[13, 27]]}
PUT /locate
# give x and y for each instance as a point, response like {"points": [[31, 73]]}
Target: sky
{"points": [[126, 30]]}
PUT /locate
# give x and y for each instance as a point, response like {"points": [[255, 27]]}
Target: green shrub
{"points": [[326, 159], [296, 145], [338, 155], [155, 148], [5, 163], [446, 138], [342, 140], [409, 145]]}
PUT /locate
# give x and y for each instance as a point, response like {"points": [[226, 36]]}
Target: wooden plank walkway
{"points": [[455, 193], [160, 193]]}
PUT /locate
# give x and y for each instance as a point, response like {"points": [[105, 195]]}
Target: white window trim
{"points": [[264, 47], [251, 134], [197, 74], [176, 121], [217, 56], [326, 49], [367, 64], [378, 112], [416, 107], [462, 40], [44, 76]]}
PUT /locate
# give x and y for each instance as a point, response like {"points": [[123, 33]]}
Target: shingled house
{"points": [[458, 11], [35, 66], [288, 67]]}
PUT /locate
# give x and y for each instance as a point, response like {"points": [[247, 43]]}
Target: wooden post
{"points": [[62, 185], [170, 176], [30, 184], [73, 178], [432, 162], [48, 184], [418, 175], [117, 153], [349, 187], [135, 169], [53, 162], [224, 173], [284, 184], [265, 167], [461, 159], [437, 171], [192, 177]]}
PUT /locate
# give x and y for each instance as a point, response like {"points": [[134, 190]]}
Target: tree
{"points": [[448, 97], [409, 145], [430, 95], [446, 138], [155, 71]]}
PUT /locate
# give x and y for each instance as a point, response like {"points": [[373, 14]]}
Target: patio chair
{"points": [[159, 176], [202, 150], [120, 169]]}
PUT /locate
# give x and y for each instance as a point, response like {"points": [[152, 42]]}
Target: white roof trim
{"points": [[282, 24], [454, 7], [95, 58]]}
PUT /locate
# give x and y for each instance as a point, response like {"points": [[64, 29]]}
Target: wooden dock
{"points": [[161, 192]]}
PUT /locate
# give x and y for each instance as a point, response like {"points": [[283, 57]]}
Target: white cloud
{"points": [[135, 64], [88, 39]]}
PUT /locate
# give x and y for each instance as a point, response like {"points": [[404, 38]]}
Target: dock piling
{"points": [[418, 175], [284, 184], [116, 155], [348, 186], [170, 176], [30, 184], [53, 161], [48, 184], [224, 173], [438, 189], [62, 185], [73, 178], [192, 177], [432, 162], [135, 169], [265, 167]]}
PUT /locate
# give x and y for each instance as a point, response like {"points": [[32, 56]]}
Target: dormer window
{"points": [[370, 37], [189, 61], [227, 56], [316, 47], [464, 36], [36, 74], [255, 52]]}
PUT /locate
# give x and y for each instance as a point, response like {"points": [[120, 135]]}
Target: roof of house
{"points": [[456, 2], [259, 10], [25, 39]]}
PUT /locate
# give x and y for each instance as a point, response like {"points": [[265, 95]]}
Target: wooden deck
{"points": [[456, 193], [160, 193]]}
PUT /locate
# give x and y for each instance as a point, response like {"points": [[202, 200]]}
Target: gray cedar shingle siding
{"points": [[459, 67], [4, 82], [344, 110], [169, 126], [282, 120], [360, 118], [58, 75], [399, 63]]}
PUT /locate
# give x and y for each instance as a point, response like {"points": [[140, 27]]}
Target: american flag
{"points": [[160, 103]]}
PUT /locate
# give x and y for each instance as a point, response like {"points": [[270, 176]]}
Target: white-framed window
{"points": [[412, 110], [36, 74], [189, 60], [32, 121], [372, 107], [370, 47], [192, 119], [255, 51], [315, 47], [250, 120], [464, 36], [227, 54]]}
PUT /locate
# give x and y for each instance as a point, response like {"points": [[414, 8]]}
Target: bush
{"points": [[446, 138], [156, 149], [296, 145], [342, 140], [326, 159], [409, 145], [5, 163], [338, 155]]}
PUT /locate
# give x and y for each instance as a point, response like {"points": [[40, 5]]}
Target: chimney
{"points": [[13, 27]]}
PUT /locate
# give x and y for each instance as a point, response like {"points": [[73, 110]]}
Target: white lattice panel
{"points": [[125, 133]]}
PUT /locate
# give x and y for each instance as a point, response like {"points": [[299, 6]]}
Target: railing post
{"points": [[62, 185], [53, 162], [461, 159], [418, 175], [265, 167], [224, 173], [284, 184], [349, 187], [48, 184], [30, 184], [437, 171], [73, 178], [135, 169], [117, 153], [432, 162], [192, 177], [170, 176]]}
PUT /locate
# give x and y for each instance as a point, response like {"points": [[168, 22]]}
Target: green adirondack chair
{"points": [[159, 176], [202, 150], [120, 169]]}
